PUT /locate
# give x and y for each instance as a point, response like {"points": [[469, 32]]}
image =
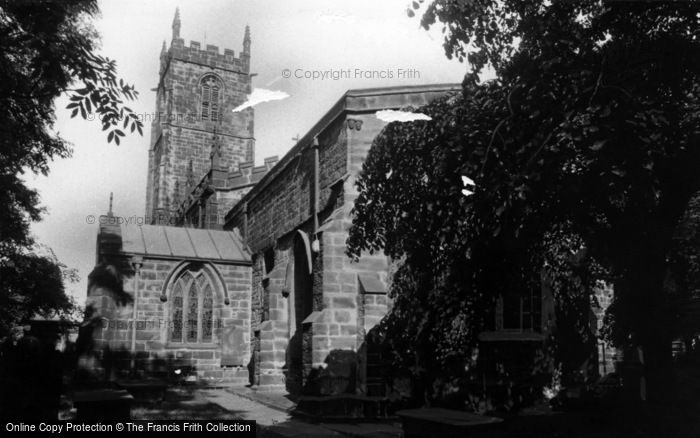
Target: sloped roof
{"points": [[371, 284], [158, 241], [356, 101]]}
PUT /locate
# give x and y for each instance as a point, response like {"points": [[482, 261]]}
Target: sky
{"points": [[376, 41]]}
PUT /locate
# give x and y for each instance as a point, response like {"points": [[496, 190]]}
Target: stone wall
{"points": [[285, 202], [181, 141], [607, 354], [219, 190], [323, 350], [284, 206], [154, 321]]}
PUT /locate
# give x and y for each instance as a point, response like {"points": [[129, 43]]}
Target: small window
{"points": [[269, 260], [202, 214], [519, 312]]}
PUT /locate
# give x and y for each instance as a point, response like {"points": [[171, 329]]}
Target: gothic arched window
{"points": [[210, 88], [192, 308]]}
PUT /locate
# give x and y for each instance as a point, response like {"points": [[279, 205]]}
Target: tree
{"points": [[33, 283], [590, 133], [47, 49]]}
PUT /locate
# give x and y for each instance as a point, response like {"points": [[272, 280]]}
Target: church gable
{"points": [[188, 292]]}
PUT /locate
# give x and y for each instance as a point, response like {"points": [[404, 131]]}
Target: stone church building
{"points": [[240, 275]]}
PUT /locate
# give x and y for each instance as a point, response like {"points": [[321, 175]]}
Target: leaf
{"points": [[598, 145], [618, 172], [110, 137]]}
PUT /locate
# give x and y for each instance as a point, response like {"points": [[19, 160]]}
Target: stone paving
{"points": [[245, 408], [274, 399], [271, 422], [274, 422]]}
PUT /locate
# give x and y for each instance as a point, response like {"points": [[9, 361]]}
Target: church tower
{"points": [[197, 90]]}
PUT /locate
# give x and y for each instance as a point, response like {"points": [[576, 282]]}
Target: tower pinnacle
{"points": [[176, 24], [246, 41], [109, 213]]}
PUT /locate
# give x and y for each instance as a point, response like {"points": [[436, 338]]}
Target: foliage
{"points": [[590, 132], [683, 279], [33, 284], [47, 49]]}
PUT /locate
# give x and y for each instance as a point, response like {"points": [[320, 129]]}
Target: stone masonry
{"points": [[309, 324], [183, 132], [145, 273], [251, 282]]}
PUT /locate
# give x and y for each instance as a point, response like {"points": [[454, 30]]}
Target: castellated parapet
{"points": [[197, 90]]}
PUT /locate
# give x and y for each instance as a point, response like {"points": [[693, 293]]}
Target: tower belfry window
{"points": [[210, 98]]}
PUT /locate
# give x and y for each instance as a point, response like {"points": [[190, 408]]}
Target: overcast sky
{"points": [[301, 36]]}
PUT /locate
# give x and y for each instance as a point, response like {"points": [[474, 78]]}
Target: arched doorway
{"points": [[300, 307]]}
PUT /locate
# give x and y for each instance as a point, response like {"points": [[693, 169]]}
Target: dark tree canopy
{"points": [[589, 134], [47, 49], [33, 284]]}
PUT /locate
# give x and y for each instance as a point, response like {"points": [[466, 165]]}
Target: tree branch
{"points": [[495, 131], [488, 148], [537, 152], [35, 96]]}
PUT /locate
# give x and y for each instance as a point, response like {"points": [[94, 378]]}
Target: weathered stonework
{"points": [[146, 278], [273, 301], [312, 324], [294, 311], [607, 354], [182, 133]]}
